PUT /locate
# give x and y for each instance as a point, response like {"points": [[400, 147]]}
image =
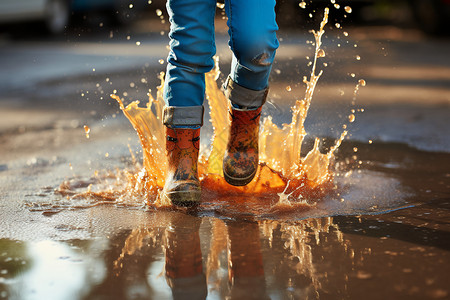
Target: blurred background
{"points": [[59, 16]]}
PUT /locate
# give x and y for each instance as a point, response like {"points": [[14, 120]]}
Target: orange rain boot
{"points": [[241, 156], [182, 185]]}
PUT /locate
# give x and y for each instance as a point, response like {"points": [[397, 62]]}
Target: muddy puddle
{"points": [[388, 239], [386, 235]]}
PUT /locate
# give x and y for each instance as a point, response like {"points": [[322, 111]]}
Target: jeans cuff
{"points": [[242, 96], [183, 115]]}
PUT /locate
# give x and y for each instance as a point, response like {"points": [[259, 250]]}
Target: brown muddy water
{"points": [[383, 232], [388, 239]]}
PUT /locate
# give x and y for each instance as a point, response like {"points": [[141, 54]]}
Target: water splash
{"points": [[282, 172]]}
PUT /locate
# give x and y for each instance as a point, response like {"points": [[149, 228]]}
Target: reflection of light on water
{"points": [[297, 256], [54, 273]]}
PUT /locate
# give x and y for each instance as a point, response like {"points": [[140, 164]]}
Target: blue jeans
{"points": [[253, 41]]}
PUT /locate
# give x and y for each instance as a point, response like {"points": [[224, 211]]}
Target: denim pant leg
{"points": [[253, 40], [192, 48]]}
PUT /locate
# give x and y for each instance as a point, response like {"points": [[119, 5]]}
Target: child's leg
{"points": [[192, 47], [253, 40], [191, 56]]}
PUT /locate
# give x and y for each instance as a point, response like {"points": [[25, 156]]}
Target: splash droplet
{"points": [[302, 4], [138, 43], [348, 9], [159, 12], [161, 61], [362, 82], [87, 130], [288, 88], [351, 118], [358, 57], [321, 53], [337, 25]]}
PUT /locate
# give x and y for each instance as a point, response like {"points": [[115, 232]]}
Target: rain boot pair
{"points": [[240, 162]]}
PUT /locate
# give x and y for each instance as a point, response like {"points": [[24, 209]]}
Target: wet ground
{"points": [[387, 235]]}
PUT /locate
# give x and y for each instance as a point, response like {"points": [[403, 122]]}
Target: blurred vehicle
{"points": [[55, 14]]}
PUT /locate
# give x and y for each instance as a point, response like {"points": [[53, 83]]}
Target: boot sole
{"points": [[183, 198], [238, 181]]}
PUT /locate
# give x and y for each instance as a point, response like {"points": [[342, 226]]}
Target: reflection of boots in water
{"points": [[241, 156], [184, 270], [182, 186], [245, 264]]}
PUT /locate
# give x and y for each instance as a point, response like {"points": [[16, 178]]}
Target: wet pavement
{"points": [[386, 236]]}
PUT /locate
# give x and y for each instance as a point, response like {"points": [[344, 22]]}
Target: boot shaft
{"points": [[182, 147]]}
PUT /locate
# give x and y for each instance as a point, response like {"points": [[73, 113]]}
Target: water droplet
{"points": [[87, 130], [288, 88], [370, 141], [321, 53], [132, 84], [355, 149], [302, 4], [159, 12], [345, 33], [351, 118], [337, 6], [161, 61], [278, 71], [352, 74], [337, 25], [362, 82], [128, 37], [138, 43], [220, 5]]}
